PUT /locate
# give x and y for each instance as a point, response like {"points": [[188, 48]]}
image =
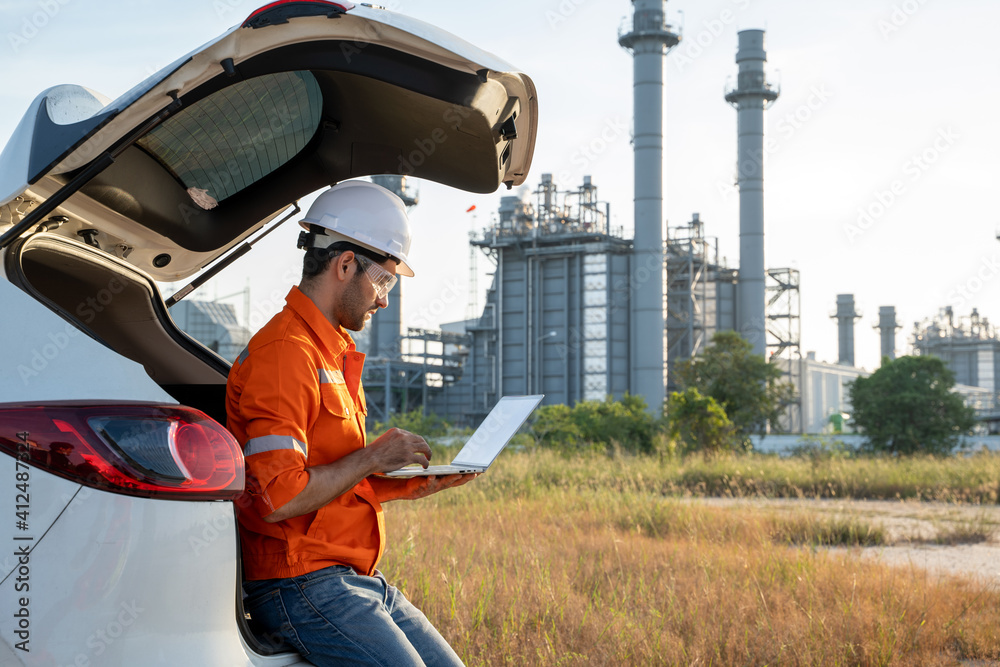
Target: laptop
{"points": [[486, 443]]}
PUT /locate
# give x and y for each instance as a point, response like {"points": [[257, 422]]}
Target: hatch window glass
{"points": [[237, 136]]}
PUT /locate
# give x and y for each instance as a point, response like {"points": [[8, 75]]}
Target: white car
{"points": [[118, 478]]}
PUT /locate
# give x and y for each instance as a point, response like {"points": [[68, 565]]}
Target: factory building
{"points": [[822, 390], [212, 324], [701, 294], [422, 375], [968, 345], [556, 319]]}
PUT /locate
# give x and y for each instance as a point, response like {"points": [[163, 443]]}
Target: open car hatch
{"points": [[301, 95]]}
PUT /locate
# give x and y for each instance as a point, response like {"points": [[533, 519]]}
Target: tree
{"points": [[698, 422], [743, 383], [907, 406]]}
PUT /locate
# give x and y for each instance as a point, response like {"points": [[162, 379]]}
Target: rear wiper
{"points": [[210, 273]]}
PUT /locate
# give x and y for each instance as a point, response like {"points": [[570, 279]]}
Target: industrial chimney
{"points": [[649, 40], [888, 327], [846, 316], [386, 326], [752, 95]]}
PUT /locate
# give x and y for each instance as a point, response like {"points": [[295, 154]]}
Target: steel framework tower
{"points": [[649, 40], [752, 95], [784, 328]]}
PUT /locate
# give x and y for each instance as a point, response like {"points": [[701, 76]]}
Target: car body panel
{"points": [[46, 358], [121, 580], [47, 497]]}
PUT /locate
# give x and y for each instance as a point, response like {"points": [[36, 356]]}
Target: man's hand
{"points": [[421, 487], [396, 449], [413, 488]]}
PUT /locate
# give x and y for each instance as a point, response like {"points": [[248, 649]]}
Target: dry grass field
{"points": [[533, 565]]}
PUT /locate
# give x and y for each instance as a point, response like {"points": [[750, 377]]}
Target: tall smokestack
{"points": [[751, 96], [387, 324], [649, 41], [888, 327], [846, 316]]}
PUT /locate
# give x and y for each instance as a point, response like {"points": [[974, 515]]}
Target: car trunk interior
{"points": [[121, 307]]}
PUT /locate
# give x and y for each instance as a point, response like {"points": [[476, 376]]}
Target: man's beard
{"points": [[355, 308]]}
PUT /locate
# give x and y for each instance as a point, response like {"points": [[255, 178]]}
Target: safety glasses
{"points": [[381, 280]]}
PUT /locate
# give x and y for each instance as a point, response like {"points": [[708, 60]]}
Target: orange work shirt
{"points": [[294, 400]]}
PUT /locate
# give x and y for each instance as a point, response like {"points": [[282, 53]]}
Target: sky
{"points": [[879, 178]]}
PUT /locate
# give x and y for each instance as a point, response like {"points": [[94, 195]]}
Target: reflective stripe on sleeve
{"points": [[270, 443]]}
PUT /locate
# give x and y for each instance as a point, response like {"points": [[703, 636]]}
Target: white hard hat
{"points": [[365, 214]]}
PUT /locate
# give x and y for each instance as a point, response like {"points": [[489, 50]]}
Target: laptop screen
{"points": [[498, 427]]}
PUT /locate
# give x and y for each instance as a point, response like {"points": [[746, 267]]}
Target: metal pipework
{"points": [[752, 95], [649, 40]]}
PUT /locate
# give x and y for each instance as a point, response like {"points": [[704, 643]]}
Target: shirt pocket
{"points": [[337, 427], [336, 401]]}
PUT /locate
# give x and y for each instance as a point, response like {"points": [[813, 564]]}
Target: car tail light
{"points": [[275, 13], [137, 449]]}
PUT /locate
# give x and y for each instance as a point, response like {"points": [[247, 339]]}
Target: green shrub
{"points": [[553, 426], [817, 448], [699, 422], [609, 424], [431, 427]]}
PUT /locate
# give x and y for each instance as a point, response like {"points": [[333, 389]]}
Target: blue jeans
{"points": [[336, 617]]}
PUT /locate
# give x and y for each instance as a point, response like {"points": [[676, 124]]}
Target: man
{"points": [[311, 523]]}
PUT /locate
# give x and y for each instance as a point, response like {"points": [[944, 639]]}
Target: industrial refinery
{"points": [[580, 307], [580, 310]]}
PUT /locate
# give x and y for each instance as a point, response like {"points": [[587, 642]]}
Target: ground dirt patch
{"points": [[940, 538]]}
